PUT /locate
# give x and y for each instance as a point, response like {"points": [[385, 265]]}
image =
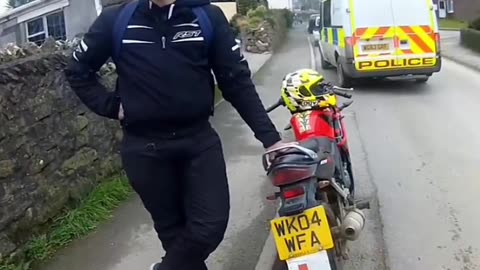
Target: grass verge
{"points": [[77, 222], [451, 24], [74, 223]]}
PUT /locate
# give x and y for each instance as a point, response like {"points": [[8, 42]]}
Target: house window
{"points": [[52, 25], [442, 4], [450, 8], [36, 31]]}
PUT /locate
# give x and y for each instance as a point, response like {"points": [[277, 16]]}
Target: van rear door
{"points": [[416, 32], [373, 31]]}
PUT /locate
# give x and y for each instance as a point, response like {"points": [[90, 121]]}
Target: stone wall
{"points": [[265, 33], [52, 149], [260, 39]]}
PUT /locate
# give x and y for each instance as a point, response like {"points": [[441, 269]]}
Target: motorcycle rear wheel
{"points": [[336, 263]]}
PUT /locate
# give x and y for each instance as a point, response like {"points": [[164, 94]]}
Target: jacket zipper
{"points": [[162, 27]]}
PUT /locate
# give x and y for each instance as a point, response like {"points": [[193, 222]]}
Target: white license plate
{"points": [[316, 261], [376, 47]]}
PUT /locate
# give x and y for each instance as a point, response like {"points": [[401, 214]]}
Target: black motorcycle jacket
{"points": [[164, 69]]}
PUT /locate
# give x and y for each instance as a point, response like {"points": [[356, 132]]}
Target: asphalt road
{"points": [[414, 147], [128, 242], [421, 145]]}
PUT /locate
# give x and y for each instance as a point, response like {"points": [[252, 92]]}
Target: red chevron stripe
{"points": [[415, 38]]}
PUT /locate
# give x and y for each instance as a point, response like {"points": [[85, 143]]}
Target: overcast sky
{"points": [[2, 6]]}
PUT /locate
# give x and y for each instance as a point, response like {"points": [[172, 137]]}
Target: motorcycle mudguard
{"points": [[295, 206], [316, 261]]}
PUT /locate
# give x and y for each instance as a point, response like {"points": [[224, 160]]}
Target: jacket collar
{"points": [[151, 8]]}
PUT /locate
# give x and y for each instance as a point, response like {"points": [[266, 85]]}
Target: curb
{"points": [[313, 64], [450, 29], [461, 62], [269, 256]]}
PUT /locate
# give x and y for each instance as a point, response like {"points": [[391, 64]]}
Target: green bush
{"points": [[239, 23], [288, 14], [475, 24], [260, 12], [234, 24], [470, 38], [279, 19], [245, 5], [254, 22], [273, 16], [258, 15], [281, 27]]}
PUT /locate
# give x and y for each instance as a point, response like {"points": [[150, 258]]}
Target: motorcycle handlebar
{"points": [[337, 90], [342, 94], [340, 91]]}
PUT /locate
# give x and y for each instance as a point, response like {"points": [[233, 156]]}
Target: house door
{"points": [[442, 9]]}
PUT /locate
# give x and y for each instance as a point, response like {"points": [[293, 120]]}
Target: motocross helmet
{"points": [[303, 90]]}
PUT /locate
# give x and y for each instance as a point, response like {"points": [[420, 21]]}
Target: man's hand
{"points": [[276, 145], [271, 156], [121, 115]]}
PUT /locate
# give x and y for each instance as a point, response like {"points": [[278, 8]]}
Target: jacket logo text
{"points": [[187, 34]]}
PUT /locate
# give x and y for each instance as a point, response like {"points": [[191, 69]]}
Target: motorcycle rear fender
{"points": [[326, 168], [328, 152]]}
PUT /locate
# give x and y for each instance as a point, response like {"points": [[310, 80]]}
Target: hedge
{"points": [[470, 38]]}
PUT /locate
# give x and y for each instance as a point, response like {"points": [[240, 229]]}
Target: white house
{"points": [[280, 4], [60, 19], [37, 20]]}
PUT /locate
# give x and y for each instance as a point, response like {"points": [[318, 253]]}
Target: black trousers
{"points": [[183, 184]]}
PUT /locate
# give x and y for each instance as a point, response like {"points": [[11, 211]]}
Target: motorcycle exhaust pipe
{"points": [[353, 224]]}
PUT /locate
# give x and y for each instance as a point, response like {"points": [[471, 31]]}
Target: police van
{"points": [[379, 38]]}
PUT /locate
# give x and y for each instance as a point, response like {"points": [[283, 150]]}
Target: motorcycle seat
{"points": [[325, 149], [322, 146]]}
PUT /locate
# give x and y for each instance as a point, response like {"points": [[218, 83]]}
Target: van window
{"points": [[373, 13], [411, 12], [326, 13], [338, 13], [332, 15]]}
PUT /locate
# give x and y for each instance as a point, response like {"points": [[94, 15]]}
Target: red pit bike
{"points": [[318, 213]]}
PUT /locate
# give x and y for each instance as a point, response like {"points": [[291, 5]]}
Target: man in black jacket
{"points": [[164, 98]]}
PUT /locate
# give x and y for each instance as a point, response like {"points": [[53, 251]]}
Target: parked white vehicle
{"points": [[316, 32], [379, 38]]}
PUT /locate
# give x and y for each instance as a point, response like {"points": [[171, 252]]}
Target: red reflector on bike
{"points": [[288, 175], [293, 193], [303, 267]]}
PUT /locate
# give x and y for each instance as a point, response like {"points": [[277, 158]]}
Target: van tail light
{"points": [[350, 41], [437, 42], [350, 44], [289, 174]]}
